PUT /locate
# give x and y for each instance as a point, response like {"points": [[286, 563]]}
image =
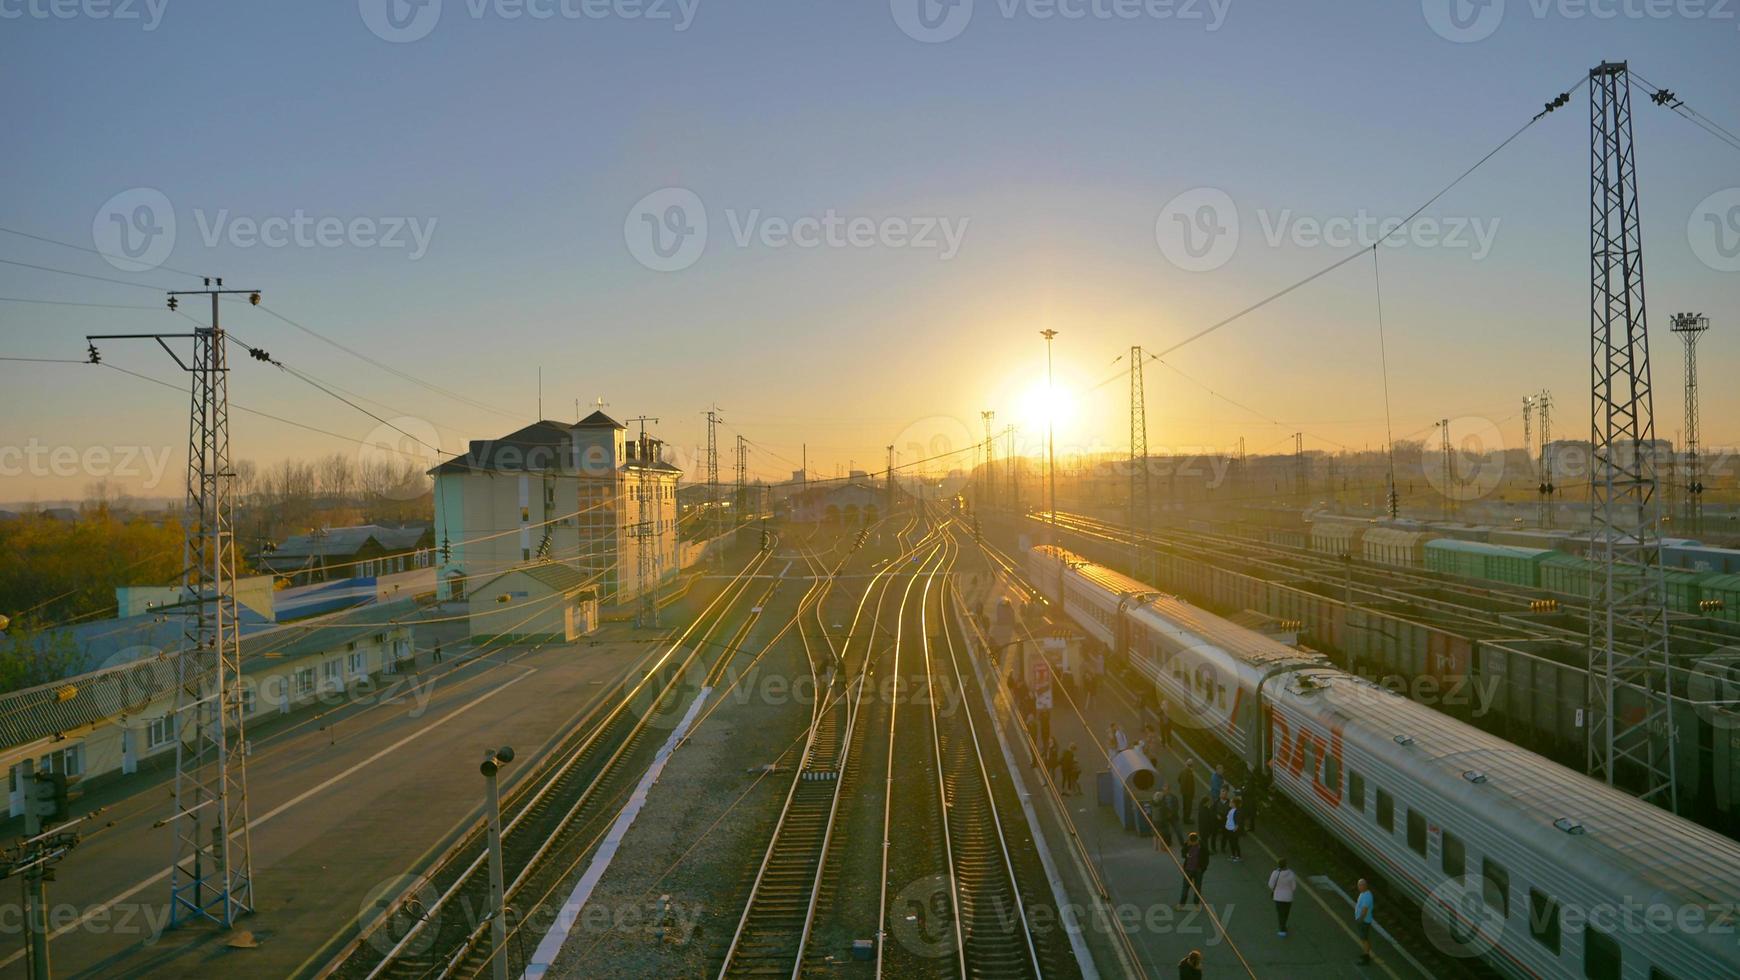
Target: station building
{"points": [[569, 493], [544, 602], [119, 719]]}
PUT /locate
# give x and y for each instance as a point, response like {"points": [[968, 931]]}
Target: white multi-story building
{"points": [[564, 492]]}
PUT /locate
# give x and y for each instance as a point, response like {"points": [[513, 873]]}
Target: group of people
{"points": [[1221, 817]]}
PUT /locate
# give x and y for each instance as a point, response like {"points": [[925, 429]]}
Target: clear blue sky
{"points": [[1057, 142]]}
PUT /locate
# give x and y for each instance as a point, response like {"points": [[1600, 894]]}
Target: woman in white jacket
{"points": [[1282, 881]]}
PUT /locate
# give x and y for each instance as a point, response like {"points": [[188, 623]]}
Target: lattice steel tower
{"points": [[1544, 403], [212, 876], [646, 530], [1630, 722], [1691, 326], [717, 519], [1141, 490], [989, 482]]}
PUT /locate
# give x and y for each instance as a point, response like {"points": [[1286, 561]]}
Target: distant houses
{"points": [[364, 551]]}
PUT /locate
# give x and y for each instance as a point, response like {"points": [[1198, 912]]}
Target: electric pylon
{"points": [[989, 480], [1544, 402], [646, 530], [1691, 326], [713, 502], [1630, 688], [1141, 507], [211, 876]]}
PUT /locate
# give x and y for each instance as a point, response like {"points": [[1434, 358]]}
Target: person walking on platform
{"points": [[1363, 909], [1205, 821], [1071, 771], [1050, 754], [1195, 868], [1282, 882], [1150, 745], [1216, 783], [1190, 967], [1187, 788], [1233, 816], [1165, 724]]}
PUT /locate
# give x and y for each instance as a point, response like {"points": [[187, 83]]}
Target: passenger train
{"points": [[1542, 871]]}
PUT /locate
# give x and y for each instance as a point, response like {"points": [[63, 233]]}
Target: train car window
{"points": [[1452, 857], [1331, 772], [1600, 955], [1657, 973], [1496, 887], [1386, 811], [1417, 832], [1356, 790], [1544, 920]]}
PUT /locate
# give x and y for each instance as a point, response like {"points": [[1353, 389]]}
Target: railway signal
{"points": [[1544, 605]]}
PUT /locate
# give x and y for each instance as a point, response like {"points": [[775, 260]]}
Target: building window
{"points": [[329, 673], [1544, 920], [1496, 889], [68, 762], [160, 731], [1356, 790], [305, 681], [1386, 811], [1417, 832], [1452, 857], [249, 700], [354, 663]]}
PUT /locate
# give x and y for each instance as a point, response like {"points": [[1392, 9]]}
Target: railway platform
{"points": [[1125, 892]]}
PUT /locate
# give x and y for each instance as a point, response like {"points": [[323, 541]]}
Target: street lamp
{"points": [[1050, 433], [493, 760]]}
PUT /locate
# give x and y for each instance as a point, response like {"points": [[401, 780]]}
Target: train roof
{"points": [[1244, 644], [1567, 813]]}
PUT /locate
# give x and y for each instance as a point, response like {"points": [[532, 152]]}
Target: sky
{"points": [[844, 224]]}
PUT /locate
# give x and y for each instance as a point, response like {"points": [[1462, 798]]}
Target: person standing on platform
{"points": [[1216, 783], [1195, 867], [1205, 821], [1233, 816], [1282, 882], [437, 657], [1071, 771], [1222, 806], [1363, 910], [1050, 754], [1165, 724], [1166, 816], [1150, 744], [1190, 967], [1187, 787], [1116, 740]]}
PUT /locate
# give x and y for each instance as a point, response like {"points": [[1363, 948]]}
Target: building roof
{"points": [[540, 446], [342, 542], [555, 575], [598, 419]]}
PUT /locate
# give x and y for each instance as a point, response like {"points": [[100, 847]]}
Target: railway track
{"points": [[773, 932], [442, 928], [954, 901]]}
